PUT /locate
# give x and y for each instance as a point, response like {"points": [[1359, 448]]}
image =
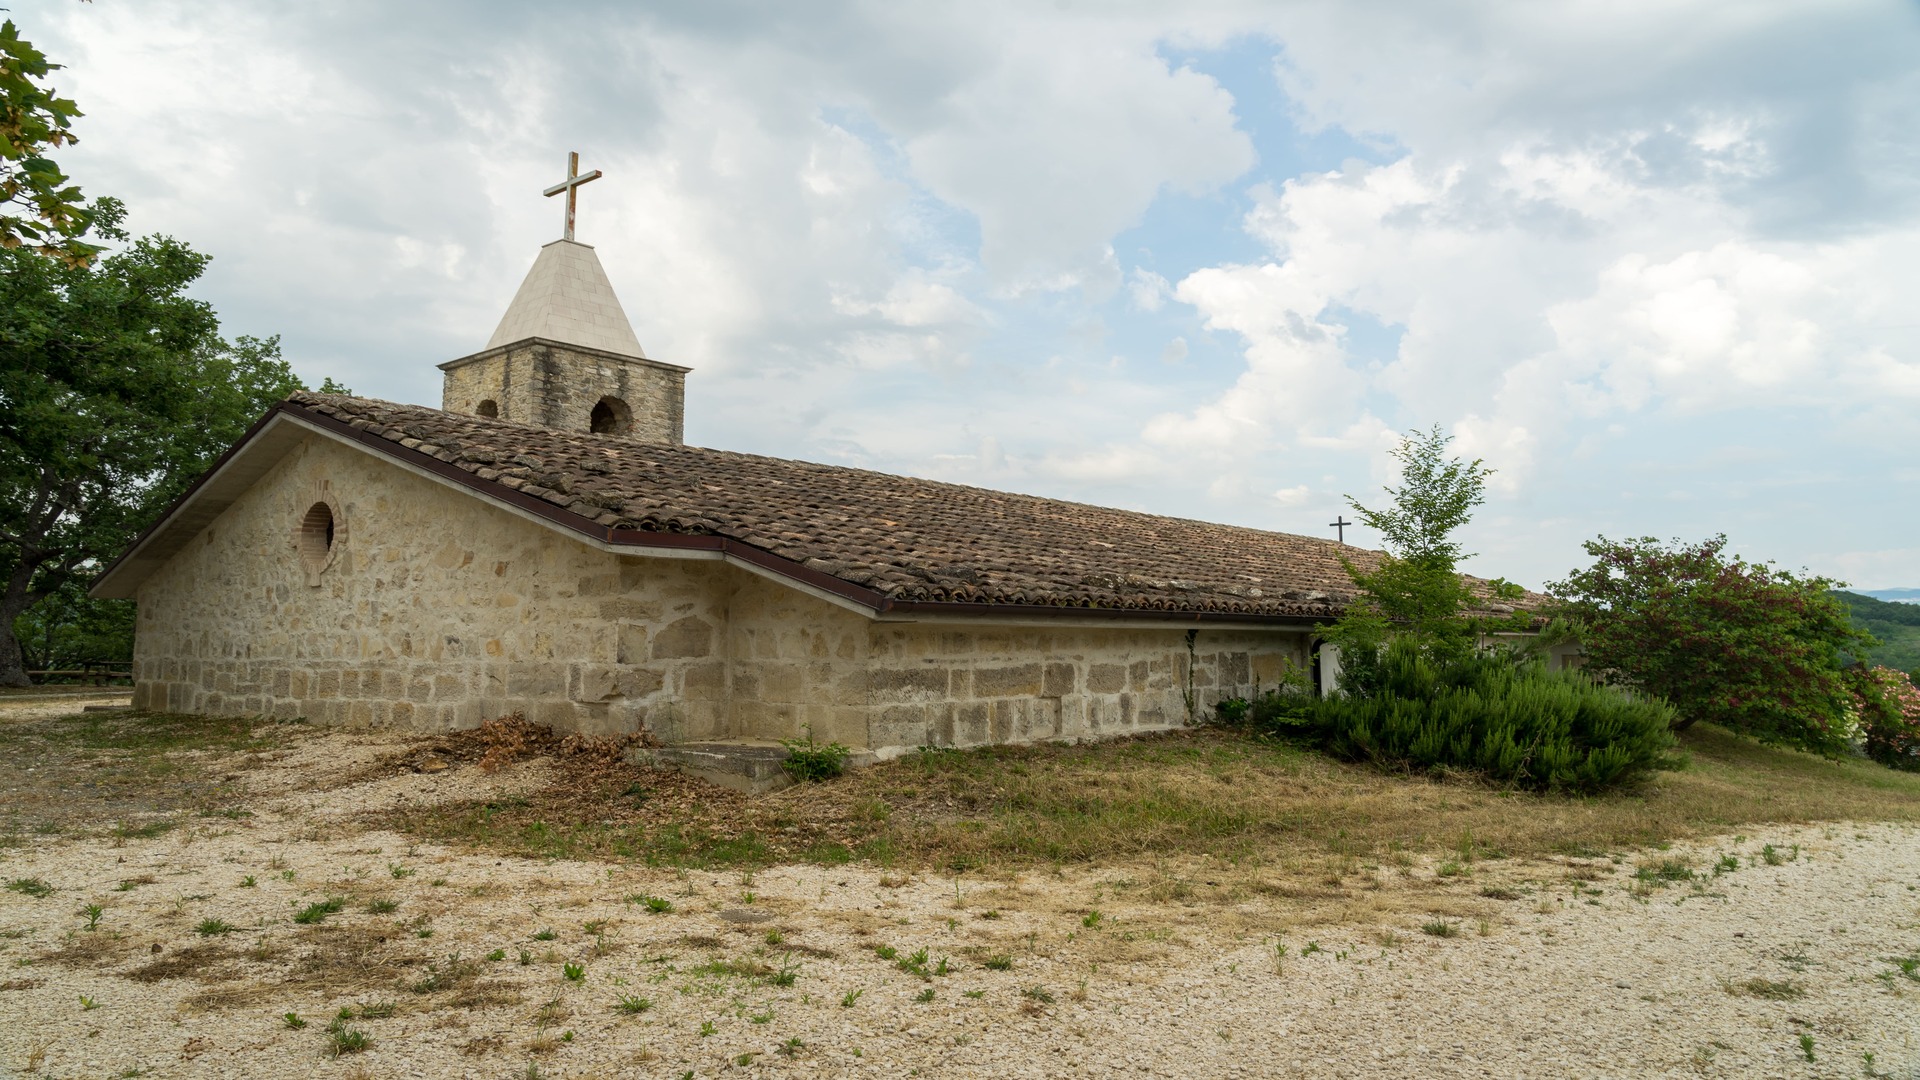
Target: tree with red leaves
{"points": [[1747, 646]]}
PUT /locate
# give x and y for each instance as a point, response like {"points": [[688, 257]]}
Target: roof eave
{"points": [[604, 354], [232, 473]]}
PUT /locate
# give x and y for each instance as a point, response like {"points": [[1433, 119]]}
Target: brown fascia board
{"points": [[623, 358], [876, 602]]}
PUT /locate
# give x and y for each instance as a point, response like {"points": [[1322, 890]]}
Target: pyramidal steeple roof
{"points": [[567, 298]]}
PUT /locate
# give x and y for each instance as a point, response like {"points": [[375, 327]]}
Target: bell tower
{"points": [[564, 356]]}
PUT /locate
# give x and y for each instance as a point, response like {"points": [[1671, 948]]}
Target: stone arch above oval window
{"points": [[321, 532], [610, 416], [488, 408]]}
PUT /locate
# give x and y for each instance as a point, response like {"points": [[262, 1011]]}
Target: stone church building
{"points": [[545, 542]]}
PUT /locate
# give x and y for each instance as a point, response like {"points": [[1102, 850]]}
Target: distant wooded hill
{"points": [[1896, 625]]}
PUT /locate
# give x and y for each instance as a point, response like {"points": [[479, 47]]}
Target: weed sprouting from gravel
{"points": [[92, 913], [1664, 870], [544, 934], [851, 996], [382, 907], [213, 927], [1771, 990], [445, 976], [343, 1040], [1439, 928], [573, 972], [1806, 1046], [30, 886], [924, 996], [659, 905], [632, 1004], [293, 1021], [319, 910], [915, 964], [998, 962]]}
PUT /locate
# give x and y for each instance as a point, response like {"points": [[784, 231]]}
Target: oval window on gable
{"points": [[316, 536], [610, 417]]}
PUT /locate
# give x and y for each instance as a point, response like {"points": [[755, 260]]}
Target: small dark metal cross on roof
{"points": [[1340, 523], [571, 185]]}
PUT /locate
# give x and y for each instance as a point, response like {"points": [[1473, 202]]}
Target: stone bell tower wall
{"points": [[551, 384]]}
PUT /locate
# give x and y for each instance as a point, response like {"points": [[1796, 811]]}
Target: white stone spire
{"points": [[567, 298]]}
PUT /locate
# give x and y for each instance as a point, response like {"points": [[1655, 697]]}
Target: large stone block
{"points": [[1106, 678], [691, 636], [893, 685], [1018, 680]]}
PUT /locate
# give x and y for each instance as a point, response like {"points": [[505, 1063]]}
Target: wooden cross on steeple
{"points": [[1340, 522], [571, 185]]}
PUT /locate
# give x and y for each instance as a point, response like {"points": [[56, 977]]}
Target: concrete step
{"points": [[749, 765]]}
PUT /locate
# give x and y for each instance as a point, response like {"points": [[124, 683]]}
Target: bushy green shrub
{"points": [[809, 760], [1504, 717]]}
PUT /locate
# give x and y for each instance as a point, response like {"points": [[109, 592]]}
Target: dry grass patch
{"points": [[207, 962], [1209, 793], [132, 767]]}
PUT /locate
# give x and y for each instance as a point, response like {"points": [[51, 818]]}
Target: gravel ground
{"points": [[1565, 967]]}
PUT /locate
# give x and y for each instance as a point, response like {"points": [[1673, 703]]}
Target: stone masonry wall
{"points": [[437, 611], [552, 385], [799, 663], [440, 611]]}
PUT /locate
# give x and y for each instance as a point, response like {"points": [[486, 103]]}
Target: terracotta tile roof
{"points": [[903, 538]]}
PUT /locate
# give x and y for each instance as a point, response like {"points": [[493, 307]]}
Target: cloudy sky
{"points": [[1656, 262]]}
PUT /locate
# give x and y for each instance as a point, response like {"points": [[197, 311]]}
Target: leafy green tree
{"points": [[69, 629], [38, 208], [1747, 646], [116, 391], [1415, 592]]}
